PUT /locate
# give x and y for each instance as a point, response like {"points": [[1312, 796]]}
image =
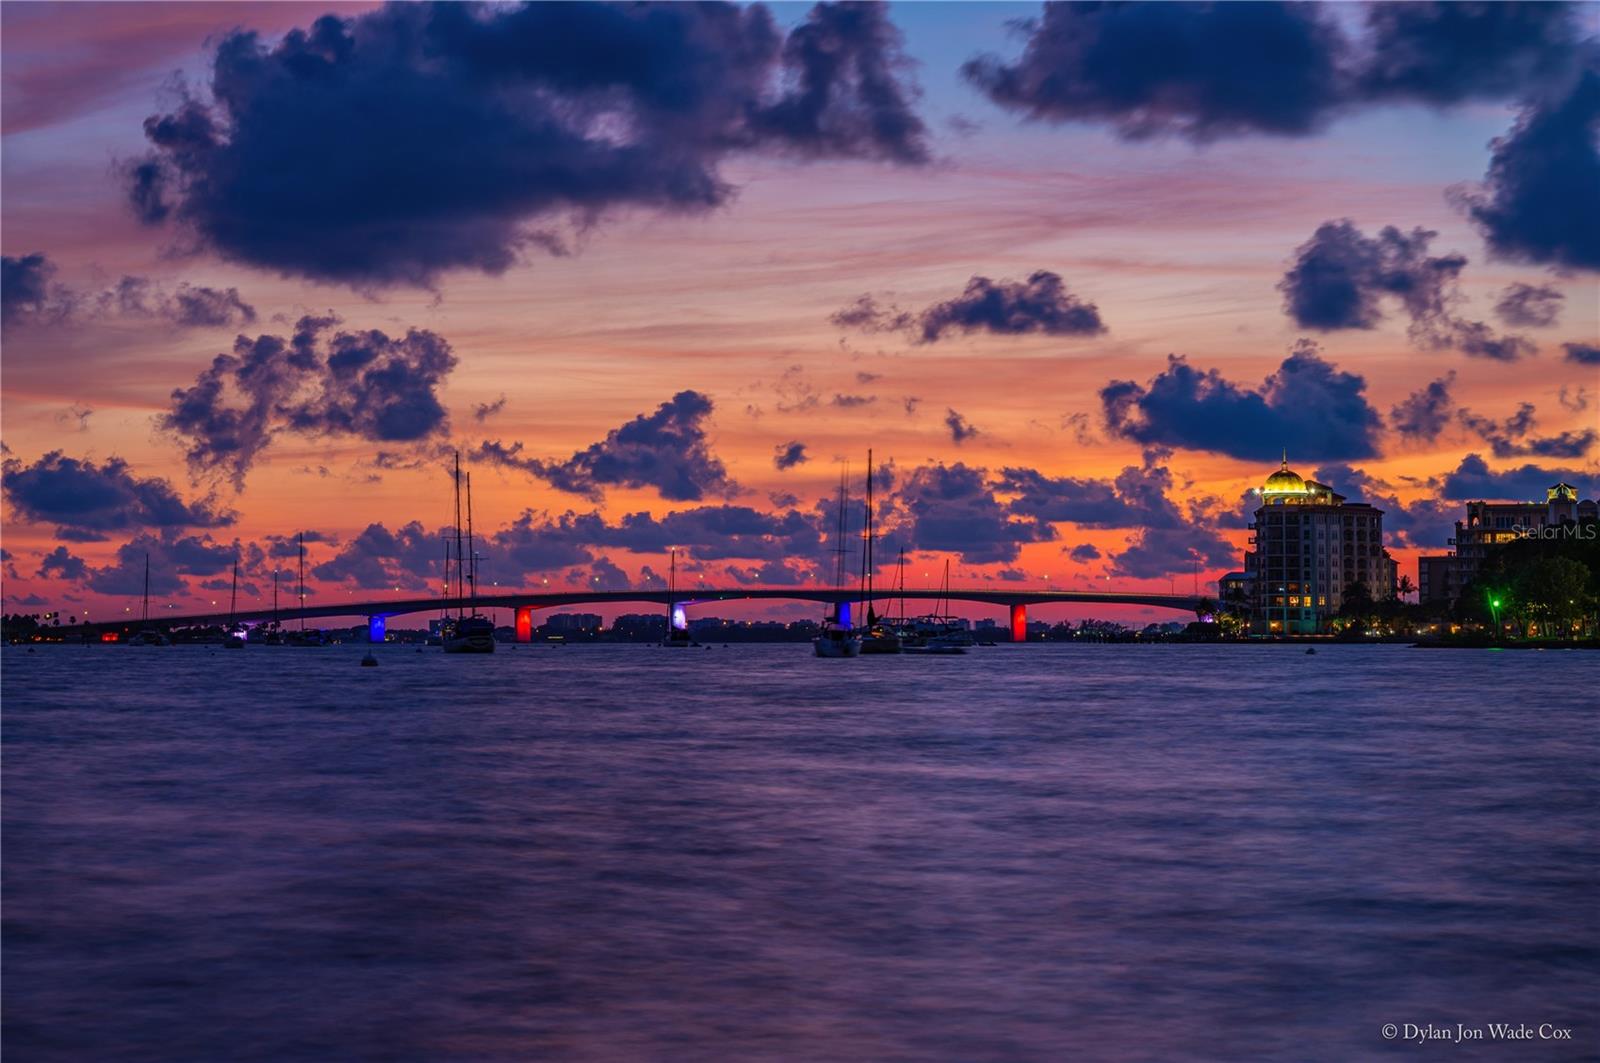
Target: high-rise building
{"points": [[1310, 547], [1441, 577]]}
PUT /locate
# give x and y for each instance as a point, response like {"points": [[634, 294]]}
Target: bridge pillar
{"points": [[377, 626], [1019, 623], [680, 619], [524, 623], [844, 614]]}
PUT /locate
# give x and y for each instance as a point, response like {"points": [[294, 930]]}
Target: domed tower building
{"points": [[1311, 547]]}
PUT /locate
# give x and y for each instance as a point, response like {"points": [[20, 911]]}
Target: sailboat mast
{"points": [[472, 552], [301, 539], [672, 589], [838, 536], [145, 613], [233, 595], [460, 573], [902, 577], [867, 605], [274, 597]]}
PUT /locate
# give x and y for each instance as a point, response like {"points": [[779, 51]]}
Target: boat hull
{"points": [[469, 644], [837, 647]]}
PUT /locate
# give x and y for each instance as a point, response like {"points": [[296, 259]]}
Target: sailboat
{"points": [[878, 637], [471, 631], [147, 635], [270, 634], [836, 639], [234, 639], [678, 638], [303, 637], [939, 632]]}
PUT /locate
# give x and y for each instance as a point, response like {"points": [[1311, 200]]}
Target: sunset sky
{"points": [[1076, 276]]}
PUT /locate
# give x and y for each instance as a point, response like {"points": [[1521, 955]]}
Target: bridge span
{"points": [[523, 604]]}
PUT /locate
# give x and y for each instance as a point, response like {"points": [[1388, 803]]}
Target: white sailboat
{"points": [[677, 638], [235, 636]]}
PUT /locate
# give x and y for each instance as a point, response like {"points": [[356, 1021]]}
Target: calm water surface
{"points": [[625, 853]]}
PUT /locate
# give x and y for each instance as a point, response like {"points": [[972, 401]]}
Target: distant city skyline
{"points": [[1077, 318]]}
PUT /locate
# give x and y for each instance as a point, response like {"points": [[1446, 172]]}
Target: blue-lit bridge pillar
{"points": [[376, 627], [844, 614]]}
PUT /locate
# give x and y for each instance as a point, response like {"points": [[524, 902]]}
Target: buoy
{"points": [[369, 661], [1311, 649]]}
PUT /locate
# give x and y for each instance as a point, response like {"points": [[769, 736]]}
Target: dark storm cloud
{"points": [[1340, 276], [953, 509], [1040, 305], [32, 296], [1514, 438], [282, 546], [1426, 522], [1166, 539], [1529, 305], [27, 288], [1308, 406], [1582, 353], [1425, 412], [86, 500], [1539, 202], [961, 429], [361, 384], [409, 558], [61, 564], [1340, 279], [1156, 552], [1138, 497], [171, 556], [1447, 53], [1473, 479], [788, 455], [536, 544], [386, 148], [198, 307], [1201, 71], [713, 533], [1206, 71], [666, 450], [1084, 553]]}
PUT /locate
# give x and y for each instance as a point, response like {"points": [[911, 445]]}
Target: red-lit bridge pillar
{"points": [[524, 623], [1019, 623]]}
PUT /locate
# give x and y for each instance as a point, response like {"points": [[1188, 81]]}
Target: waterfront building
{"points": [[1311, 546], [1441, 577]]}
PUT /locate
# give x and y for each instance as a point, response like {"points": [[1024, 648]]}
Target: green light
{"points": [[1495, 603]]}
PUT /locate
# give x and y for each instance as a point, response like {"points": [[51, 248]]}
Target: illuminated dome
{"points": [[1284, 482]]}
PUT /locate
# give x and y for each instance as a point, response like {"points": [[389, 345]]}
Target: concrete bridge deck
{"points": [[523, 603]]}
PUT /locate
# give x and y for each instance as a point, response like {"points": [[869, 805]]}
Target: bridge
{"points": [[523, 604]]}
